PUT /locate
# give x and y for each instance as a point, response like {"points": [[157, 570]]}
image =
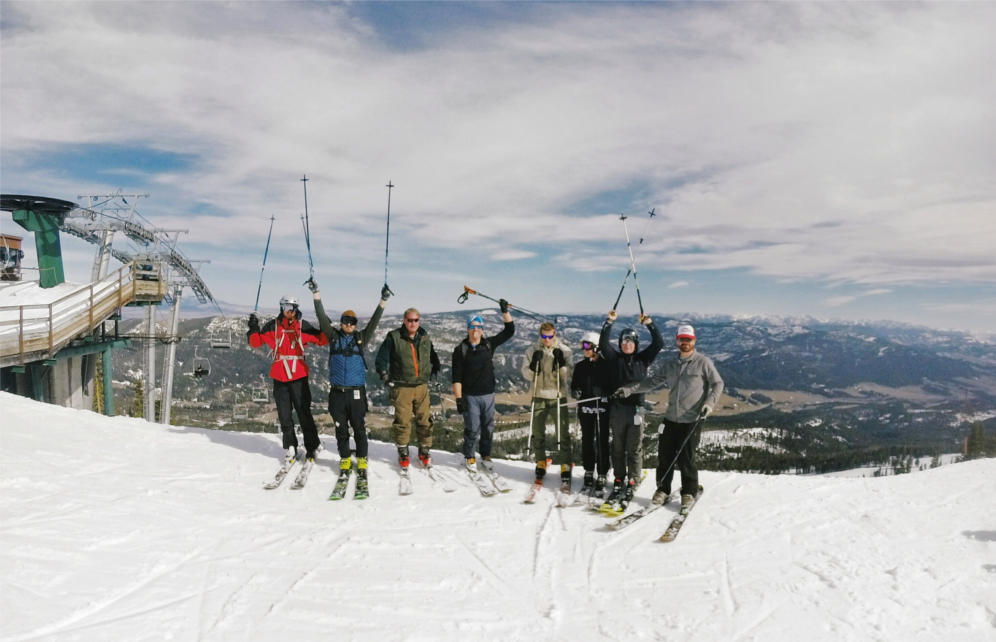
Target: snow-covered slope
{"points": [[115, 529]]}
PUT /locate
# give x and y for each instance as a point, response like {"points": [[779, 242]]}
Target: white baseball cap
{"points": [[685, 331]]}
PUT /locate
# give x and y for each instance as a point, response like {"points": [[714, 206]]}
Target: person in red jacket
{"points": [[286, 337]]}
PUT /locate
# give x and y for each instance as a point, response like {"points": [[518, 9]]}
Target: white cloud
{"points": [[678, 284], [837, 301], [807, 142]]}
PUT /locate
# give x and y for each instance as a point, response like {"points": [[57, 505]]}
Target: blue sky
{"points": [[832, 160]]}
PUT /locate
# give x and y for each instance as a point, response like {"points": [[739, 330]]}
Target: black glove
{"points": [[461, 405], [384, 377], [253, 323], [503, 304], [534, 365], [558, 358], [312, 285], [385, 292], [576, 393]]}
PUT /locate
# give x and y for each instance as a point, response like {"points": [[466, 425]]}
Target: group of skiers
{"points": [[608, 385]]}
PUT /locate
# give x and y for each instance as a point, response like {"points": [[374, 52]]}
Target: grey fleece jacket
{"points": [[694, 382], [546, 385]]}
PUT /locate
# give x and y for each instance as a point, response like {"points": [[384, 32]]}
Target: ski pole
{"points": [[532, 412], [639, 246], [632, 263], [467, 292], [265, 252], [580, 401], [387, 238], [678, 454], [559, 427], [307, 227]]}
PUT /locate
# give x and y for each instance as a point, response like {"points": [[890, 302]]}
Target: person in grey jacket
{"points": [[695, 387]]}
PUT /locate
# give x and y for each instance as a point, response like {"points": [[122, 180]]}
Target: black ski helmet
{"points": [[629, 334]]}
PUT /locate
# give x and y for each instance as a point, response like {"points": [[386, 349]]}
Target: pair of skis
{"points": [[285, 468], [563, 498], [489, 482], [360, 491], [438, 479], [617, 503], [672, 530]]}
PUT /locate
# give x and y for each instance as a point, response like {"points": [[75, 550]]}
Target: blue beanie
{"points": [[474, 318]]}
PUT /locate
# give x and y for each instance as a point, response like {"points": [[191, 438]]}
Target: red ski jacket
{"points": [[286, 340]]}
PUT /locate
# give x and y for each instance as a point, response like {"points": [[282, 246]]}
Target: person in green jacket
{"points": [[405, 362]]}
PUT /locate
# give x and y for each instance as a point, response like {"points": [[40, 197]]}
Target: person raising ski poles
{"points": [[405, 362], [286, 335], [695, 387], [590, 385], [474, 384], [347, 375], [627, 365], [547, 366]]}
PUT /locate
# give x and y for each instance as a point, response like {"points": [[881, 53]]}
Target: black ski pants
{"points": [[673, 435], [296, 395], [594, 420], [348, 407]]}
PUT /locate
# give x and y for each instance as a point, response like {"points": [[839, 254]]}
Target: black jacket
{"points": [[625, 369], [473, 366]]}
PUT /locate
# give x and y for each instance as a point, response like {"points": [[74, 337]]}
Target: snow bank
{"points": [[115, 529]]}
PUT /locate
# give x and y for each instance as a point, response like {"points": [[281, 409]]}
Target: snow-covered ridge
{"points": [[116, 529]]}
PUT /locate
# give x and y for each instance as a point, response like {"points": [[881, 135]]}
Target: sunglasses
{"points": [[348, 320], [476, 327], [547, 336], [415, 320]]}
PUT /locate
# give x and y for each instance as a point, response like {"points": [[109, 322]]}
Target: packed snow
{"points": [[117, 529]]}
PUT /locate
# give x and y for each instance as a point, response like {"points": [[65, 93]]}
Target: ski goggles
{"points": [[587, 345], [288, 307], [346, 320]]}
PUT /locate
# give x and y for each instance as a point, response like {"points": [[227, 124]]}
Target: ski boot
{"points": [[600, 484], [618, 488], [565, 473], [291, 454], [423, 456], [660, 498], [589, 481], [344, 464], [541, 469], [686, 503], [403, 456], [471, 464]]}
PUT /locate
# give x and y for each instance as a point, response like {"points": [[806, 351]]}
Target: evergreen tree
{"points": [[975, 447], [138, 402]]}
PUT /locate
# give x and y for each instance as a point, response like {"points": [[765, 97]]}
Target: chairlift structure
{"points": [[221, 338], [260, 394], [202, 367]]}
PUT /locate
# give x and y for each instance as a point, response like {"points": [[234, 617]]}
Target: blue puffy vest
{"points": [[346, 366]]}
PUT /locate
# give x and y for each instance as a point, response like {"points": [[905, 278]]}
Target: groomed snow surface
{"points": [[116, 529]]}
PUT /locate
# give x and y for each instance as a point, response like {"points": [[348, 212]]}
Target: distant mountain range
{"points": [[878, 383]]}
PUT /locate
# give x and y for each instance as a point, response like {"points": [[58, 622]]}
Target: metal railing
{"points": [[37, 331]]}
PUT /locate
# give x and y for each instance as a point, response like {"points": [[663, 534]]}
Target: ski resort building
{"points": [[53, 332]]}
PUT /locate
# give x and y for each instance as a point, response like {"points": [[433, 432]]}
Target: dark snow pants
{"points": [[478, 421], [627, 441], [670, 441], [296, 395], [348, 408], [594, 420]]}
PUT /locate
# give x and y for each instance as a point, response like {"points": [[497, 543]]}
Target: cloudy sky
{"points": [[825, 159]]}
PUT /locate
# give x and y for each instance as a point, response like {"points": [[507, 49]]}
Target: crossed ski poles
{"points": [[632, 259]]}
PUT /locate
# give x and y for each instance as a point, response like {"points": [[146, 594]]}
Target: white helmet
{"points": [[288, 299], [592, 338]]}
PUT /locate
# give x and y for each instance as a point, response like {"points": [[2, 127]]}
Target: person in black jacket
{"points": [[591, 380], [474, 383], [627, 365]]}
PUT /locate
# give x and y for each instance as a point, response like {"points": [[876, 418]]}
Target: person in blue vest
{"points": [[348, 375]]}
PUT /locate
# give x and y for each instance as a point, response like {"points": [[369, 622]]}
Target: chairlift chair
{"points": [[221, 338], [240, 411], [202, 367], [260, 394]]}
